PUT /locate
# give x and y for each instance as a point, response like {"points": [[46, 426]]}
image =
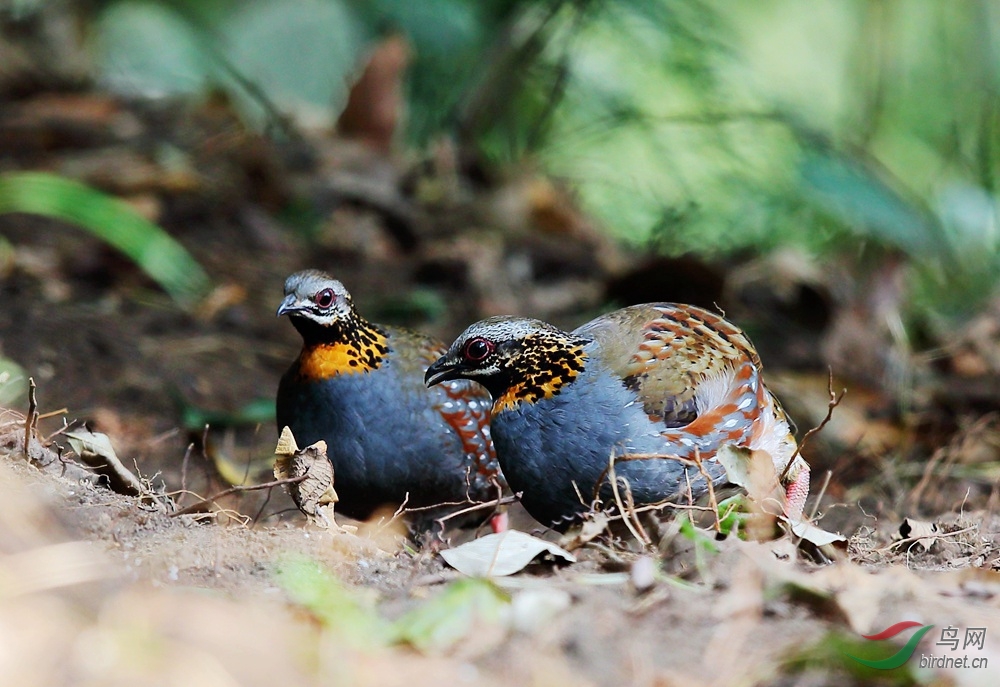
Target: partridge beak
{"points": [[441, 371], [289, 305]]}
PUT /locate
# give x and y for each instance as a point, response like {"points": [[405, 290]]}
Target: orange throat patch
{"points": [[544, 380], [326, 360]]}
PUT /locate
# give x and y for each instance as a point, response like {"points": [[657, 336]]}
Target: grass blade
{"points": [[111, 220]]}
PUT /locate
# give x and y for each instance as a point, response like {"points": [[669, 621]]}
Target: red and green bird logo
{"points": [[901, 656]]}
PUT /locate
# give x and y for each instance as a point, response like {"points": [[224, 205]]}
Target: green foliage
{"points": [[294, 51], [704, 543], [829, 658], [13, 384], [146, 47], [451, 616], [283, 55], [339, 610], [257, 411], [434, 626], [688, 125], [733, 514], [111, 220], [447, 38]]}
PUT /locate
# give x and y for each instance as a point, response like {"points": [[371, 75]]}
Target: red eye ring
{"points": [[325, 298], [476, 350]]}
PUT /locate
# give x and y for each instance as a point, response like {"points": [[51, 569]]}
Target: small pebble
{"points": [[643, 573]]}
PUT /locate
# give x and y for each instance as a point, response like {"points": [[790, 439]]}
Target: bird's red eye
{"points": [[325, 298], [477, 349]]}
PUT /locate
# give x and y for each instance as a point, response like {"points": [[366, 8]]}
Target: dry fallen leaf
{"points": [[595, 525], [925, 533], [813, 534], [752, 470], [95, 450], [316, 489], [496, 555]]}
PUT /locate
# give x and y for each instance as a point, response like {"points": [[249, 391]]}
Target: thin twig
{"points": [[402, 507], [621, 506], [31, 417], [238, 489], [477, 506], [184, 468], [713, 503], [630, 509], [913, 540], [834, 402], [819, 496], [665, 504], [52, 413], [260, 511]]}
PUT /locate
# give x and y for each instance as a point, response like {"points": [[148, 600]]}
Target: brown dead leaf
{"points": [[316, 490], [588, 530], [925, 533]]}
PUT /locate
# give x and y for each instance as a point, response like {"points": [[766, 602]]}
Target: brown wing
{"points": [[663, 351]]}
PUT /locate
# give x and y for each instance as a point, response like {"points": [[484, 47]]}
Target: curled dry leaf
{"points": [[595, 525], [736, 462], [496, 555], [925, 533], [291, 462], [752, 470], [813, 534], [96, 451]]}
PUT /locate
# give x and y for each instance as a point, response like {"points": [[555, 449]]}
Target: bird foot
{"points": [[796, 494]]}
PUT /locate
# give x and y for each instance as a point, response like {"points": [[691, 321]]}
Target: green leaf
{"points": [[13, 384], [869, 206], [452, 615], [146, 47], [733, 513], [339, 610], [257, 411], [298, 52], [703, 543], [113, 221]]}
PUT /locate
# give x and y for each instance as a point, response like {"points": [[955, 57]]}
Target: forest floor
{"points": [[98, 586]]}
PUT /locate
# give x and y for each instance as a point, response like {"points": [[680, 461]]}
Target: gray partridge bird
{"points": [[359, 387], [654, 385]]}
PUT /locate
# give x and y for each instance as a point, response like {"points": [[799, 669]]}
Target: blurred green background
{"points": [[691, 125]]}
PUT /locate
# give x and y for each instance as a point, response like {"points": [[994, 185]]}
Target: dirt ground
{"points": [[100, 587]]}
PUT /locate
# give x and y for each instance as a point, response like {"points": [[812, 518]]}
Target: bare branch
{"points": [[238, 489], [473, 508], [627, 516], [834, 402], [713, 503], [31, 417]]}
